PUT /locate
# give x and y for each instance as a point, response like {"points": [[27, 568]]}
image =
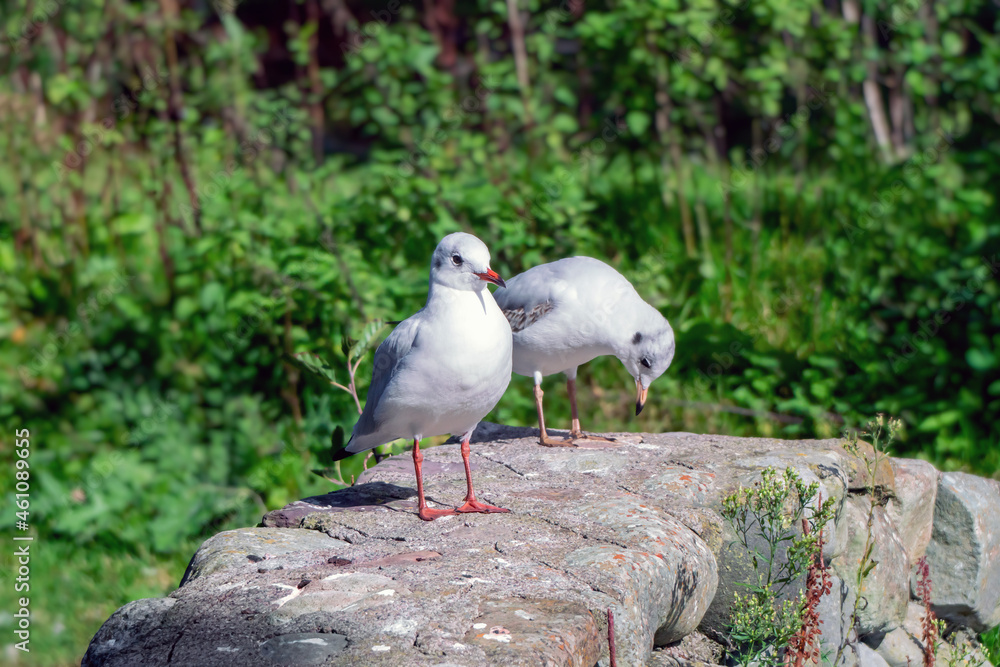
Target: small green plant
{"points": [[963, 652], [766, 519], [882, 433], [354, 351]]}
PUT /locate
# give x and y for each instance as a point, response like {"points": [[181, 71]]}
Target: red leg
{"points": [[471, 504], [422, 510]]}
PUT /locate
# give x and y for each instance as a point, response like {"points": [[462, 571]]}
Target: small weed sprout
{"points": [[963, 652], [769, 512], [882, 434], [354, 351]]}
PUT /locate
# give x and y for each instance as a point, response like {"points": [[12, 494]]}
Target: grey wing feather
{"points": [[387, 360], [520, 319], [526, 300]]}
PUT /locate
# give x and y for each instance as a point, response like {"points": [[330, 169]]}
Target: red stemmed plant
{"points": [[804, 645], [929, 624]]}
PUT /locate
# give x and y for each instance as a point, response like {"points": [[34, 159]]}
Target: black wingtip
{"points": [[341, 455], [337, 451]]}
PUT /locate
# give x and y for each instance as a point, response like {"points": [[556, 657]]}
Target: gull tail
{"points": [[339, 451]]}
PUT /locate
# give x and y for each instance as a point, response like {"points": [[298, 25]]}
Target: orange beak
{"points": [[491, 276], [640, 397]]}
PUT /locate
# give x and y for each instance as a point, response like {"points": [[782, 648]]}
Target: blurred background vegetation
{"points": [[193, 191]]}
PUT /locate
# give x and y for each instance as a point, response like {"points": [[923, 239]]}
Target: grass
{"points": [[74, 590]]}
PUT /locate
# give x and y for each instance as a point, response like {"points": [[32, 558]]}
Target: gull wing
{"points": [[520, 319], [388, 358], [527, 299]]}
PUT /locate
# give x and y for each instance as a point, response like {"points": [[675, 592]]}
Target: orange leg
{"points": [[575, 431], [422, 510], [543, 436], [471, 504]]}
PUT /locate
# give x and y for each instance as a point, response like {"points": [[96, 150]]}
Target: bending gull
{"points": [[565, 313]]}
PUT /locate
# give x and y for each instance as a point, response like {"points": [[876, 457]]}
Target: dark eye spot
{"points": [[637, 338], [645, 362], [457, 259]]}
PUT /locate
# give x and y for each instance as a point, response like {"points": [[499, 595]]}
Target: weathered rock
{"points": [[854, 654], [912, 510], [529, 588], [353, 577], [868, 657], [532, 626], [125, 632], [913, 624], [695, 650], [964, 551], [848, 656], [904, 646], [899, 649], [886, 589], [303, 648], [835, 611], [671, 571], [251, 547]]}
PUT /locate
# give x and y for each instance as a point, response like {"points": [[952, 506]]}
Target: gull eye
{"points": [[457, 259], [645, 362]]}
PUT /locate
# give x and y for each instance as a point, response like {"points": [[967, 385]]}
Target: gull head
{"points": [[647, 356], [461, 261]]}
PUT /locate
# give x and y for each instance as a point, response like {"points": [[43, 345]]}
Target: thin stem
{"points": [[520, 58], [611, 638], [174, 107]]}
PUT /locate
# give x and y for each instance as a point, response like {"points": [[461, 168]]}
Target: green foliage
{"points": [[178, 224], [74, 590], [766, 519], [312, 363], [761, 625], [991, 645]]}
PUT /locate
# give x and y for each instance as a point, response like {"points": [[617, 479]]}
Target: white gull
{"points": [[565, 313], [443, 369]]}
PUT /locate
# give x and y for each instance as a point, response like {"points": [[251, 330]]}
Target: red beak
{"points": [[491, 276]]}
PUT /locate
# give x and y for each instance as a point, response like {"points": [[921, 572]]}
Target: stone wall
{"points": [[354, 578]]}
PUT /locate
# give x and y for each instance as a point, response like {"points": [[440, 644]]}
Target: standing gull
{"points": [[568, 312], [443, 369]]}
